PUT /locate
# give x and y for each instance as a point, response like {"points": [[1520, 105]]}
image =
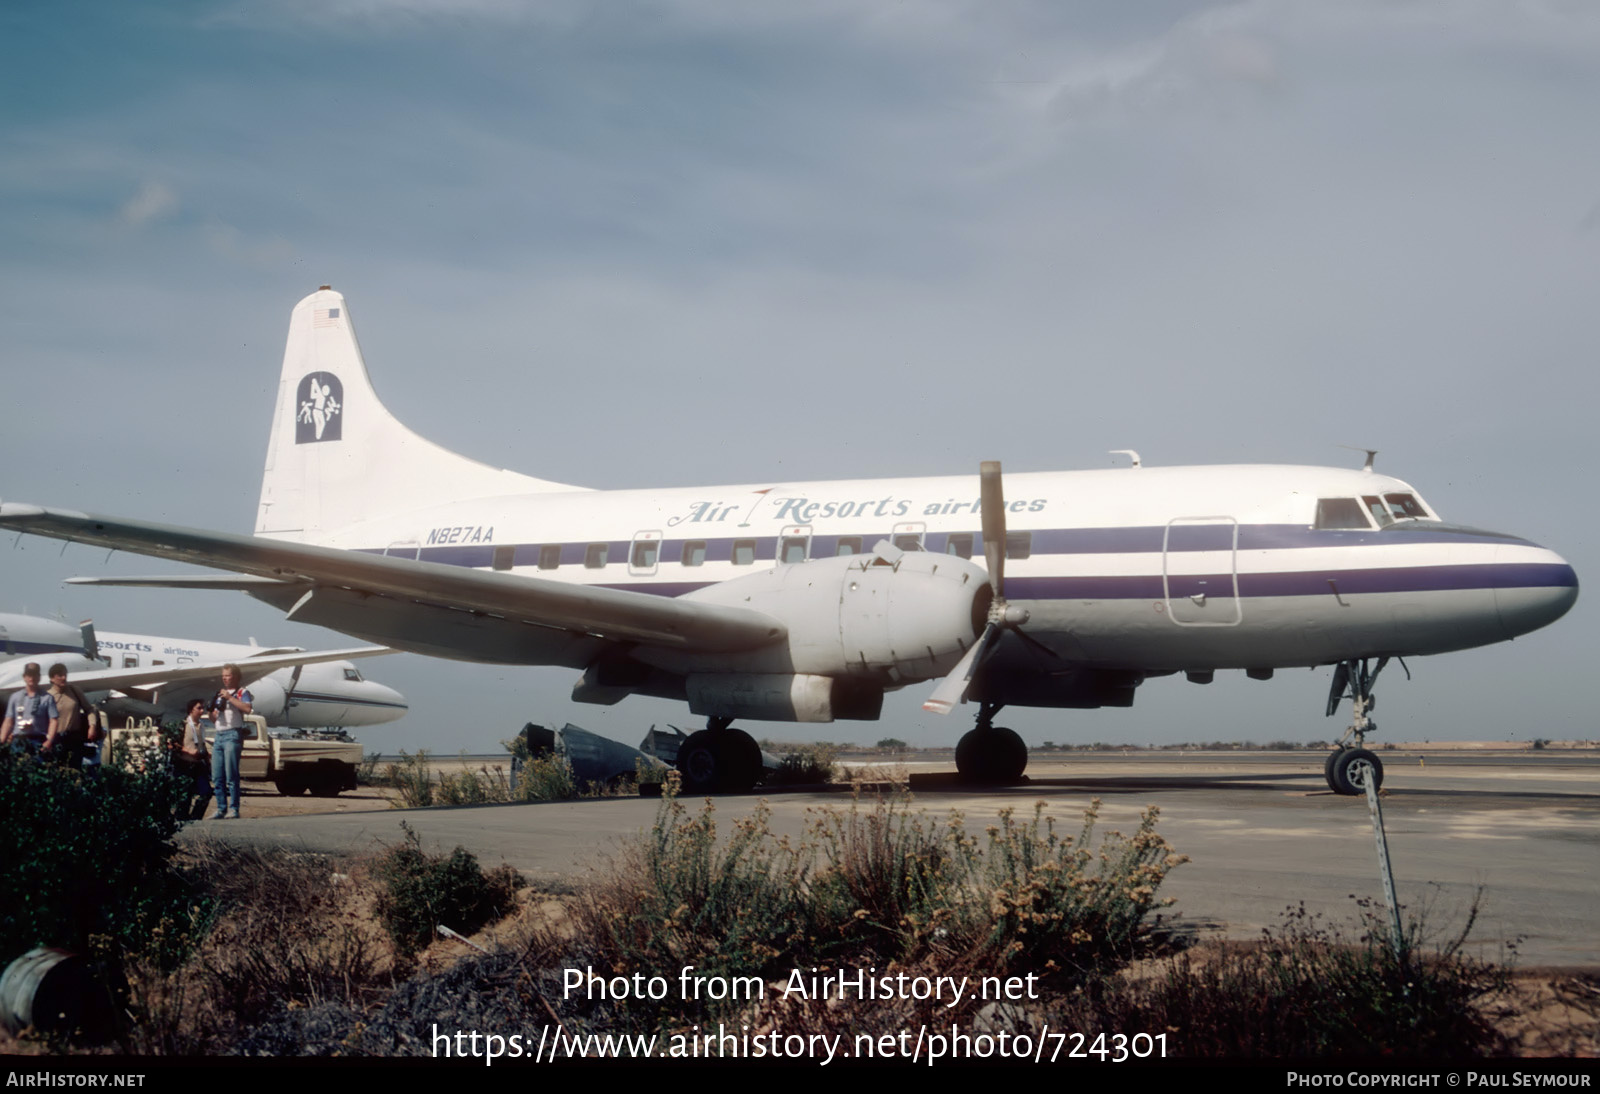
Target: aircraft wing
{"points": [[612, 614], [250, 668]]}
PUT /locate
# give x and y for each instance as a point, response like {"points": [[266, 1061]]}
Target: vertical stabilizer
{"points": [[337, 456]]}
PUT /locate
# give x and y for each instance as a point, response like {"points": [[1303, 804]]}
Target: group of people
{"points": [[58, 723], [55, 722]]}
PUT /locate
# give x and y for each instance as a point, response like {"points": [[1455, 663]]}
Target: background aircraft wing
{"points": [[250, 668], [612, 614]]}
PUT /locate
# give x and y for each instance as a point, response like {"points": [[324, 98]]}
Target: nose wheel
{"points": [[1349, 769], [719, 759], [1351, 765], [990, 755]]}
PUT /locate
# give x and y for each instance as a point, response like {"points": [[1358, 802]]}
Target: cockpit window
{"points": [[1405, 507], [352, 674], [1341, 514], [1392, 507]]}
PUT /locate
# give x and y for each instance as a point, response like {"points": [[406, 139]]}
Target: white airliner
{"points": [[807, 601], [148, 675]]}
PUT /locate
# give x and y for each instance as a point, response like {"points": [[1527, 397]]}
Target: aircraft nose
{"points": [[393, 704], [1542, 588]]}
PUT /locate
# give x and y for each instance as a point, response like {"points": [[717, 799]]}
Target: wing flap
{"points": [[611, 614]]}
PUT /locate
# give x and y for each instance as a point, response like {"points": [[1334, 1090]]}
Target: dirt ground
{"points": [[259, 799]]}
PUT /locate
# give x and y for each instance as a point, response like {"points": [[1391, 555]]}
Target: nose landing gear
{"points": [[1351, 765]]}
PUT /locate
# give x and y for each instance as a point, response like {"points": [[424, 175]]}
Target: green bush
{"points": [[420, 892], [87, 864]]}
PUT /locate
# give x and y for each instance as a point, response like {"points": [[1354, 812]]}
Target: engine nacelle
{"points": [[780, 697], [893, 616], [269, 700]]}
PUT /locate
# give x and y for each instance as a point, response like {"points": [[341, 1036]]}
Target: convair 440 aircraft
{"points": [[808, 601], [143, 675]]}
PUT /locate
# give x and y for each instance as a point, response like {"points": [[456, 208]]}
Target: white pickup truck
{"points": [[322, 762]]}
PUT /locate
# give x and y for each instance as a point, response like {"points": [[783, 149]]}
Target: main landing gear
{"points": [[1350, 766], [719, 759], [989, 754]]}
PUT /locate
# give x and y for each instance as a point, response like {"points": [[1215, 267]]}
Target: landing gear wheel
{"points": [[1327, 766], [993, 757], [728, 760], [1350, 768]]}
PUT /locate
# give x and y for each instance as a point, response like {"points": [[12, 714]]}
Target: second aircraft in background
{"points": [[155, 676]]}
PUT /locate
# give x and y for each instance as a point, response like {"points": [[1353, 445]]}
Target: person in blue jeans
{"points": [[228, 709]]}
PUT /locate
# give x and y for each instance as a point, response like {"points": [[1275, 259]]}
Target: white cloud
{"points": [[153, 201]]}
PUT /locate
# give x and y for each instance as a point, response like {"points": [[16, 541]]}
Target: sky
{"points": [[698, 242]]}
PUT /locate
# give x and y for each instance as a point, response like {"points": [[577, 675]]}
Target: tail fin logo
{"points": [[321, 401]]}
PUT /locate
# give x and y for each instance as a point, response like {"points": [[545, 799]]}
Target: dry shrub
{"points": [[874, 885], [289, 930], [413, 778], [1306, 991]]}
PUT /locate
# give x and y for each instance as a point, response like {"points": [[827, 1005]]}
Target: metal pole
{"points": [[1396, 936]]}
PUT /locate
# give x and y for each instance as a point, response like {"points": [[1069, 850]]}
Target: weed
{"points": [[413, 778], [367, 773], [813, 763], [547, 778]]}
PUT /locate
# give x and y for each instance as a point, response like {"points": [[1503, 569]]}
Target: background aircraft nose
{"points": [[388, 704], [1545, 589]]}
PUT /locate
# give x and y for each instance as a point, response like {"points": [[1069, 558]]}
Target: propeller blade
{"points": [[994, 524], [952, 690], [91, 645]]}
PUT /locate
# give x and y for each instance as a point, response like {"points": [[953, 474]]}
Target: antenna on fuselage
{"points": [[1371, 454], [1130, 453]]}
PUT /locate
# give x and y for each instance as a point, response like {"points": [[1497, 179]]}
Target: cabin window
{"points": [[908, 541], [130, 661], [848, 545], [503, 556], [1341, 514], [694, 552], [157, 662], [1019, 544], [794, 549], [644, 554], [594, 557], [550, 556], [959, 544], [744, 552]]}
